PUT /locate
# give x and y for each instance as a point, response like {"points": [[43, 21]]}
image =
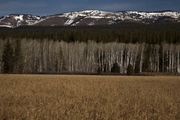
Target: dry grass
{"points": [[38, 97]]}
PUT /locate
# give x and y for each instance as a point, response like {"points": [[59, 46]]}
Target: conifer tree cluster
{"points": [[12, 58], [123, 33]]}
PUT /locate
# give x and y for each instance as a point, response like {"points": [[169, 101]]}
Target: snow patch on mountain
{"points": [[8, 26], [19, 17], [69, 22], [155, 14]]}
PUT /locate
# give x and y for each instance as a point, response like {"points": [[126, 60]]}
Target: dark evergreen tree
{"points": [[18, 57], [115, 68], [8, 58], [161, 59], [130, 69], [146, 61], [137, 64]]}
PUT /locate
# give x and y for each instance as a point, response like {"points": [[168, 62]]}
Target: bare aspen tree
{"points": [[1, 53]]}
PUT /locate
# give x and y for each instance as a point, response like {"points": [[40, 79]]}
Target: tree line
{"points": [[56, 56], [125, 48], [122, 33]]}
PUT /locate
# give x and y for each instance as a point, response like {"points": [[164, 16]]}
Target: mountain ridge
{"points": [[89, 18]]}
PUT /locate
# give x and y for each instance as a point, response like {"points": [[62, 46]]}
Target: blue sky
{"points": [[46, 7]]}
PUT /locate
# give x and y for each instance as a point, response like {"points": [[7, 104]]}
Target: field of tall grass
{"points": [[63, 97]]}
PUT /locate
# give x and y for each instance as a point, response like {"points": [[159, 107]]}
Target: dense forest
{"points": [[126, 48]]}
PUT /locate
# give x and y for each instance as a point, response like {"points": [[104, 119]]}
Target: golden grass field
{"points": [[63, 97]]}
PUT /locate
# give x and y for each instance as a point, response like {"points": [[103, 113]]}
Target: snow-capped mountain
{"points": [[89, 18], [15, 20]]}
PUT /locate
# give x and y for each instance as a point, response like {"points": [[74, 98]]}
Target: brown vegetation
{"points": [[38, 97]]}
